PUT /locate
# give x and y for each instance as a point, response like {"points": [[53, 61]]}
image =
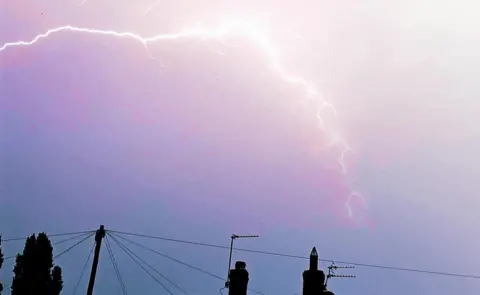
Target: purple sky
{"points": [[209, 139]]}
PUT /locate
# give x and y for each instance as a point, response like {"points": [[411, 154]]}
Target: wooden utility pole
{"points": [[98, 244]]}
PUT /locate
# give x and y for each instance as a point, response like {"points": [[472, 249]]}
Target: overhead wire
{"points": [[221, 289], [378, 266], [56, 243], [72, 247], [115, 266], [83, 270], [180, 262], [147, 264], [168, 239], [171, 258], [89, 234], [50, 235], [131, 255]]}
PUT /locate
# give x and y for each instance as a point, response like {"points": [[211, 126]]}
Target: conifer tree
{"points": [[56, 281], [34, 271]]}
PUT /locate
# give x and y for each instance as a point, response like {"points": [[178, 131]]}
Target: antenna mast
{"points": [[232, 238], [333, 268]]}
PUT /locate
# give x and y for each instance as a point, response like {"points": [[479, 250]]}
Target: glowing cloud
{"points": [[233, 27]]}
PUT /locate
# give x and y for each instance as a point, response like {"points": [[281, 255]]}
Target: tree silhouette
{"points": [[34, 271], [1, 262]]}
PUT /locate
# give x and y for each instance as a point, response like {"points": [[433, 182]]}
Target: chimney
{"points": [[313, 278], [314, 259], [238, 282]]}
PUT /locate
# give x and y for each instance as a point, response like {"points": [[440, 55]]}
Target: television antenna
{"points": [[232, 238], [332, 272]]}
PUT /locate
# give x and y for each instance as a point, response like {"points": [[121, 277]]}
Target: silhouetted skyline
{"points": [[206, 141]]}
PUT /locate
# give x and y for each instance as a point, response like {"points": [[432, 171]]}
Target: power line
{"points": [[50, 235], [72, 238], [180, 262], [220, 290], [57, 243], [131, 255], [146, 263], [394, 268], [73, 246], [115, 266], [169, 239], [83, 270], [171, 258]]}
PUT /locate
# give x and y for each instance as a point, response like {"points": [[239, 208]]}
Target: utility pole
{"points": [[232, 238], [100, 234]]}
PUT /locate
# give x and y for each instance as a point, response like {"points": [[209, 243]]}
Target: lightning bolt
{"points": [[348, 207], [228, 28]]}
